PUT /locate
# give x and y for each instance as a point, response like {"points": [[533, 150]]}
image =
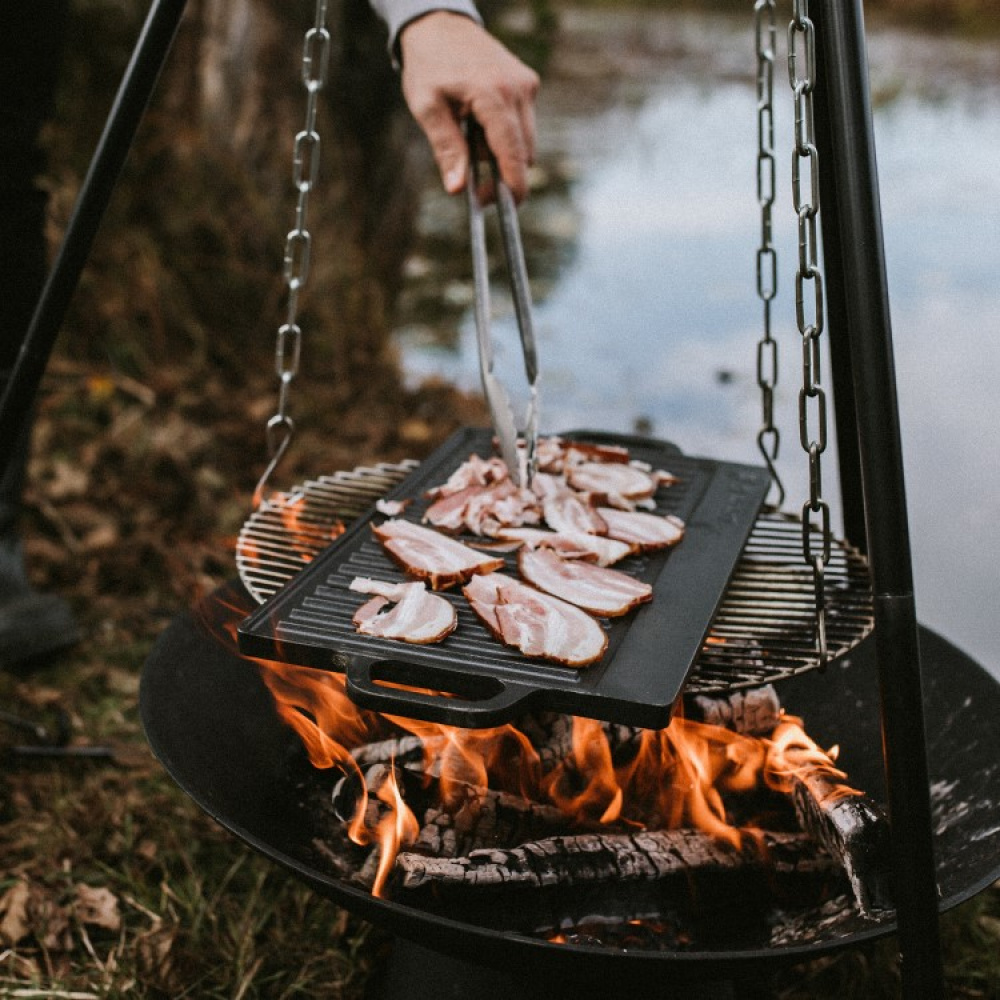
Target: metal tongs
{"points": [[520, 461]]}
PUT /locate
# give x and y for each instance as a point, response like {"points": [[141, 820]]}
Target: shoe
{"points": [[33, 627]]}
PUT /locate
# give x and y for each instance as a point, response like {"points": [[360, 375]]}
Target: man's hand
{"points": [[452, 67]]}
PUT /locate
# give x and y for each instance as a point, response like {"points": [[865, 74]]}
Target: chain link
{"points": [[809, 314], [298, 244], [768, 437]]}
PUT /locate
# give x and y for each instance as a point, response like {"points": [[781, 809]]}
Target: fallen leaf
{"points": [[990, 924], [49, 921], [97, 906], [14, 923]]}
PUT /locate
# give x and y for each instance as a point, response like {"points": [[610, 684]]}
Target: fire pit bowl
{"points": [[211, 722]]}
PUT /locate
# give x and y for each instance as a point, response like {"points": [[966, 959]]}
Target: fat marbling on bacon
{"points": [[484, 510], [431, 556], [571, 544], [564, 508], [647, 531], [618, 483], [538, 625], [596, 589], [414, 614]]}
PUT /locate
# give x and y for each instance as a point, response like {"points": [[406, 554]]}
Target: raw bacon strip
{"points": [[448, 512], [474, 471], [417, 615], [483, 510], [596, 589], [392, 508], [571, 544], [587, 451], [429, 555], [537, 624], [648, 531], [605, 480], [564, 509]]}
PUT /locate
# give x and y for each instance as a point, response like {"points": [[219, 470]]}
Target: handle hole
{"points": [[433, 681]]}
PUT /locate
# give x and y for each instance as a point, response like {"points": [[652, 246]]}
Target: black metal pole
{"points": [[130, 103], [896, 636], [841, 374]]}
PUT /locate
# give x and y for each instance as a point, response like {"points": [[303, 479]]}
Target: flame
{"points": [[668, 778], [302, 532], [792, 752], [397, 828]]}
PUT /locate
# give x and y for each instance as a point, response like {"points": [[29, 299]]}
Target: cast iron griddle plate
{"points": [[650, 650]]}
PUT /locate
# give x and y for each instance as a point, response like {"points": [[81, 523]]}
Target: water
{"points": [[651, 318]]}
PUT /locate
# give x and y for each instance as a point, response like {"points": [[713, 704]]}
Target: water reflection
{"points": [[644, 246]]}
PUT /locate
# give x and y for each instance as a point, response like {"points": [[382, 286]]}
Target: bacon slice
{"points": [[448, 512], [565, 509], [474, 471], [596, 589], [615, 481], [571, 544], [647, 531], [431, 556], [539, 625], [483, 510], [416, 615]]}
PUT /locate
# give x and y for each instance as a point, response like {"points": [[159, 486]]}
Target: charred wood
{"points": [[754, 712], [486, 819], [552, 737], [852, 828], [457, 816], [399, 748], [595, 857]]}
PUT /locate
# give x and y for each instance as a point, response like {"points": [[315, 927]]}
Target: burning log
{"points": [[397, 748], [458, 816], [846, 822], [599, 857], [486, 818], [552, 737], [754, 712]]}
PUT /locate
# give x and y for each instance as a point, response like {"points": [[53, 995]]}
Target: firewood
{"points": [[597, 857], [851, 827], [486, 818], [754, 712], [552, 737], [458, 819], [399, 748]]}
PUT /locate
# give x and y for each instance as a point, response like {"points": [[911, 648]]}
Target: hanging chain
{"points": [[298, 243], [812, 398], [768, 438]]}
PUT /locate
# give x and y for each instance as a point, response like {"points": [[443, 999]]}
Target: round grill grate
{"points": [[764, 631]]}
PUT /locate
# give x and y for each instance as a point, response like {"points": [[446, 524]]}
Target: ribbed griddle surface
{"points": [[650, 651]]}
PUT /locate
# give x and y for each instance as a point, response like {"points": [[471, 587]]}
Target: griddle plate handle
{"points": [[460, 700]]}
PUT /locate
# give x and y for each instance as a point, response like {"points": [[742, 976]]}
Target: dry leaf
{"points": [[97, 906], [14, 923], [49, 922], [991, 925], [153, 952]]}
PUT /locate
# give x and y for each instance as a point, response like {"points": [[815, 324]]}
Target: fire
{"points": [[396, 829], [663, 779], [793, 752]]}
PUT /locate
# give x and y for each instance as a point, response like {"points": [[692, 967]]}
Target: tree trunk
{"points": [[236, 74]]}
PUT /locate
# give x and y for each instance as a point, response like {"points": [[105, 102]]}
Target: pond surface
{"points": [[642, 236]]}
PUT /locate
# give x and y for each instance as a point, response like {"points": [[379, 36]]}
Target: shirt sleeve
{"points": [[397, 14]]}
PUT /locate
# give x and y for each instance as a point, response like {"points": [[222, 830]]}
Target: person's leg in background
{"points": [[32, 625]]}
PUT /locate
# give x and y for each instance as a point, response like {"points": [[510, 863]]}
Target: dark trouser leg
{"points": [[32, 625]]}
